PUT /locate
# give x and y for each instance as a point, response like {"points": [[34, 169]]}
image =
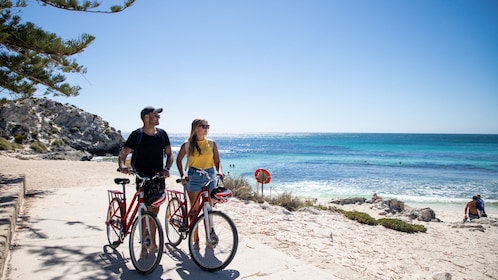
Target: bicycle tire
{"points": [[217, 255], [143, 258], [174, 220], [114, 223]]}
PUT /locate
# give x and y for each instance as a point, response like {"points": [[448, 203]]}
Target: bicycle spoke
{"points": [[174, 222], [216, 251], [114, 225], [146, 249]]}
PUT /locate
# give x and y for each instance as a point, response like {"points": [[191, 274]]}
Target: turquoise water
{"points": [[433, 168]]}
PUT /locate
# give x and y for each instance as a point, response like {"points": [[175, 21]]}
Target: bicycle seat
{"points": [[221, 194], [120, 181]]}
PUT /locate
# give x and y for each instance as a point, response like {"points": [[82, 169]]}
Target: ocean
{"points": [[414, 168]]}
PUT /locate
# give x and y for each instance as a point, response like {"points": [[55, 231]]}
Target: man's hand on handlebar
{"points": [[165, 172], [124, 169]]}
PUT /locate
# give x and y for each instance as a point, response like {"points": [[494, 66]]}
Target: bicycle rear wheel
{"points": [[146, 251], [217, 254], [114, 223], [174, 220]]}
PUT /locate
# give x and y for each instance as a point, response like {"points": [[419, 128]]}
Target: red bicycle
{"points": [[146, 242], [213, 237]]}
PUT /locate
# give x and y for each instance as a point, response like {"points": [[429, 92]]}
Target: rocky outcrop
{"points": [[349, 200], [55, 130], [392, 207]]}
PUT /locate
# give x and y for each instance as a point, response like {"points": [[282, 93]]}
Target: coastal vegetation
{"points": [[241, 189]]}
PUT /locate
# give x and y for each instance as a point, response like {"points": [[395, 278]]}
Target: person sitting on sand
{"points": [[471, 211], [480, 206]]}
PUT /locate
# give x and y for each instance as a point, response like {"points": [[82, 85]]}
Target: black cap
{"points": [[148, 110]]}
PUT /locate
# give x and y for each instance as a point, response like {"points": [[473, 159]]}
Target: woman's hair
{"points": [[192, 139]]}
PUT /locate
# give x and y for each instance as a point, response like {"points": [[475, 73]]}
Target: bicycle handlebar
{"points": [[143, 178]]}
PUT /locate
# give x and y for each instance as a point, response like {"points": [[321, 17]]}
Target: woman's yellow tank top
{"points": [[205, 159]]}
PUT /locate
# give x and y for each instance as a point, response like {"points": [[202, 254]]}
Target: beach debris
{"points": [[265, 205], [441, 276], [472, 227]]}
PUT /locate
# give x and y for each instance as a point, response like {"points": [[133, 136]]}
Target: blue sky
{"points": [[425, 66]]}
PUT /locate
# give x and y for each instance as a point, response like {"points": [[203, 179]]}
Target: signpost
{"points": [[263, 177]]}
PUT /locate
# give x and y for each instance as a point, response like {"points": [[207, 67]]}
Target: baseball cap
{"points": [[148, 110]]}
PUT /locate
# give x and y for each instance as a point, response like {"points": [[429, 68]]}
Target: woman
{"points": [[202, 153]]}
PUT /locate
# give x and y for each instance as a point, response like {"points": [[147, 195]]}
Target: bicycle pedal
{"points": [[182, 229]]}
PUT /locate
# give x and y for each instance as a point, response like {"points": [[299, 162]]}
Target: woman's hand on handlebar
{"points": [[183, 180]]}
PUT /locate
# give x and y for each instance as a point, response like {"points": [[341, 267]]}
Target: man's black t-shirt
{"points": [[148, 154]]}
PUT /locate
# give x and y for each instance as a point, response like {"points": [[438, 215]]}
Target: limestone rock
{"points": [[61, 130]]}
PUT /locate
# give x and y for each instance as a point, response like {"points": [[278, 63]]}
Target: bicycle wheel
{"points": [[146, 251], [114, 223], [174, 221], [217, 254]]}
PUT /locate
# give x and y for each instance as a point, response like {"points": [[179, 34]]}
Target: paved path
{"points": [[62, 236]]}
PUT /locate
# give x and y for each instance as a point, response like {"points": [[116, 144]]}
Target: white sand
{"points": [[274, 244]]}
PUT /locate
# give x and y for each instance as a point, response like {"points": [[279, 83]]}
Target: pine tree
{"points": [[32, 59]]}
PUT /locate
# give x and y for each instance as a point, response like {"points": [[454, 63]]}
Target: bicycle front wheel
{"points": [[174, 222], [114, 223], [217, 253], [146, 250]]}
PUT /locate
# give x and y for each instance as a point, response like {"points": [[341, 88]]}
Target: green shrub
{"points": [[19, 138], [361, 217], [289, 202], [5, 145], [38, 147], [400, 225], [57, 143]]}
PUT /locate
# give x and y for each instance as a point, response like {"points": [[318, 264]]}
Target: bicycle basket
{"points": [[221, 194]]}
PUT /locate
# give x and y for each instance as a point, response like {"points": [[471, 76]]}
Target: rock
{"points": [[394, 206], [61, 131], [441, 276], [86, 158], [352, 200], [422, 214]]}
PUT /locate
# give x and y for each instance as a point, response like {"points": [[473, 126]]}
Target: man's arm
{"points": [[125, 151], [169, 158]]}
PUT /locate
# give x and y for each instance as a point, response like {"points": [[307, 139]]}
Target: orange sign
{"points": [[262, 176]]}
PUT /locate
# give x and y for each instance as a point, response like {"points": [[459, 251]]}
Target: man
{"points": [[480, 206], [471, 211], [149, 146]]}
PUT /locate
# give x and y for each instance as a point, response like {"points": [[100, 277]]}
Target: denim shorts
{"points": [[196, 181]]}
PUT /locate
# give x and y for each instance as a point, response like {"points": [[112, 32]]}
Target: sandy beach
{"points": [[274, 243]]}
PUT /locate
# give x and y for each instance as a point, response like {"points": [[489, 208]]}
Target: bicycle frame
{"points": [[212, 235], [135, 207], [195, 209]]}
